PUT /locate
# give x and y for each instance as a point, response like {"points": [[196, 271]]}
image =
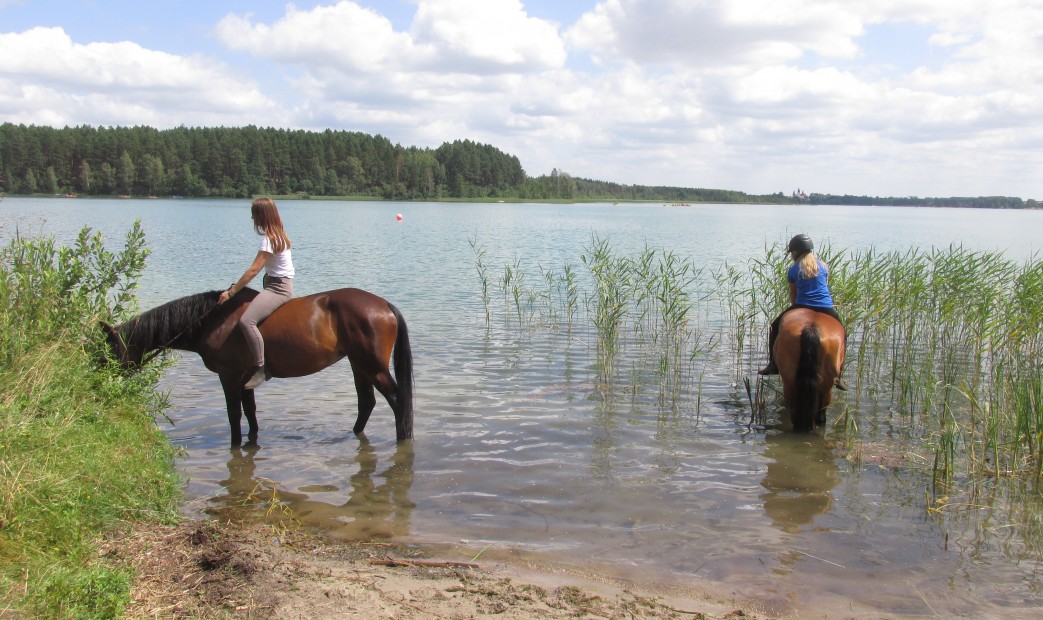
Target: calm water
{"points": [[519, 450]]}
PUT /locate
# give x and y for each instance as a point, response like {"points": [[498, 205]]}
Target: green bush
{"points": [[79, 450]]}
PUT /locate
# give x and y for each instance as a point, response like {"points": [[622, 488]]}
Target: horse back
{"points": [[328, 326]]}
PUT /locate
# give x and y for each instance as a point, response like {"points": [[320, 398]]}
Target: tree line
{"points": [[979, 202], [239, 162], [243, 162]]}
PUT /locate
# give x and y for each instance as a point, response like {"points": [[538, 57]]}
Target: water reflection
{"points": [[802, 473], [377, 504]]}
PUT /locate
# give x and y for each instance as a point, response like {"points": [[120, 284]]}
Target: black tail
{"points": [[806, 404], [402, 360]]}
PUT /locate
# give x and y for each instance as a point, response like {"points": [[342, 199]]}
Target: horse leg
{"points": [[367, 400], [250, 411], [387, 386], [824, 398], [233, 389]]}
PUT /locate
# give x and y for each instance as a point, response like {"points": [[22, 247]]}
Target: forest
{"points": [[239, 162]]}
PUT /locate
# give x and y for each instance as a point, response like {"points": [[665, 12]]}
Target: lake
{"points": [[521, 452]]}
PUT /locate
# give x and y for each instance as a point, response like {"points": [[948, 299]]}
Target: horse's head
{"points": [[127, 357]]}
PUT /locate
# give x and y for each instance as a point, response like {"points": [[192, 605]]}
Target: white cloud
{"points": [[59, 82], [755, 95], [711, 33], [486, 36], [344, 36], [464, 36]]}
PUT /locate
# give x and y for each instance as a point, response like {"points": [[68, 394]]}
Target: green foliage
{"points": [[562, 186], [241, 162], [79, 450], [47, 291], [951, 338], [979, 202], [641, 308]]}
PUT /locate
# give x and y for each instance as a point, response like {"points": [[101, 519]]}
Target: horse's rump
{"points": [[809, 352]]}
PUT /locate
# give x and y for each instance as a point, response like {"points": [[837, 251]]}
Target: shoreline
{"points": [[206, 569]]}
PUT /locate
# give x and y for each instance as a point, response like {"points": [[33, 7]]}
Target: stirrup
{"points": [[839, 384]]}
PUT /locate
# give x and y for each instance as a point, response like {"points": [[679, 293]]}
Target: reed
{"points": [[947, 339], [641, 306], [483, 273], [944, 356], [944, 344]]}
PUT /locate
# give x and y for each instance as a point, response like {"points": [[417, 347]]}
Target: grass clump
{"points": [[80, 453]]}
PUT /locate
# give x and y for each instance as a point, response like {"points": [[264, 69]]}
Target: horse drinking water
{"points": [[305, 335], [809, 352]]}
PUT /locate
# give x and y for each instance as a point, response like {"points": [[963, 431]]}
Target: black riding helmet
{"points": [[801, 244]]}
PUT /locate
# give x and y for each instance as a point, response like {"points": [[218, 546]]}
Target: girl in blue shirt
{"points": [[808, 288]]}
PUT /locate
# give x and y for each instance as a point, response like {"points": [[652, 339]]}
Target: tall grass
{"points": [[641, 310], [944, 352], [79, 451], [949, 338], [944, 344]]}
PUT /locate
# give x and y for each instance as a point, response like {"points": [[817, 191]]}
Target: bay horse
{"points": [[809, 353], [304, 336]]}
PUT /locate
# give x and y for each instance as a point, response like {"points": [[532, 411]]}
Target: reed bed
{"points": [[640, 314], [944, 344], [944, 360]]}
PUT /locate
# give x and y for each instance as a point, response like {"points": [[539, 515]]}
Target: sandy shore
{"points": [[201, 569]]}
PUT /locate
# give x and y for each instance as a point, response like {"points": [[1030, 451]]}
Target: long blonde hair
{"points": [[268, 223], [808, 265]]}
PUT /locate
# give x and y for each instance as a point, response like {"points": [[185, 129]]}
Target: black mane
{"points": [[163, 326]]}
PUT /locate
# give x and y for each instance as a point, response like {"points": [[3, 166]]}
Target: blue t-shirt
{"points": [[812, 292]]}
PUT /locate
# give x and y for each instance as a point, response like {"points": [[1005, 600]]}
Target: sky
{"points": [[928, 98]]}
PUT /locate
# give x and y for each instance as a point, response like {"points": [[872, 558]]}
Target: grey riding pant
{"points": [[276, 292]]}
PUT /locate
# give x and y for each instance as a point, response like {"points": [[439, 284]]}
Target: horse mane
{"points": [[174, 321]]}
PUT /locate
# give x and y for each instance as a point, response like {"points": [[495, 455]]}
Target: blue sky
{"points": [[877, 97]]}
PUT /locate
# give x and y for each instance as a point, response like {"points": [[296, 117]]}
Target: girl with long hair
{"points": [[275, 258], [808, 288]]}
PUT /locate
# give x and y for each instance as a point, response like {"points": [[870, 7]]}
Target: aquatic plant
{"points": [[948, 338], [944, 344]]}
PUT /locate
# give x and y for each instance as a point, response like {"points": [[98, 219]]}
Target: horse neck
{"points": [[170, 326]]}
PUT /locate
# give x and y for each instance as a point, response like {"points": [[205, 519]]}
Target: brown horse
{"points": [[809, 352], [305, 335]]}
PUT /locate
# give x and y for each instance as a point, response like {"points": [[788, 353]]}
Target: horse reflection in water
{"points": [[378, 508], [802, 473]]}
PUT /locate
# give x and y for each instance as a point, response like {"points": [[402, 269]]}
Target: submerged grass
{"points": [[80, 453]]}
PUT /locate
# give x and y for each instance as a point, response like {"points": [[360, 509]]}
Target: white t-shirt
{"points": [[279, 264]]}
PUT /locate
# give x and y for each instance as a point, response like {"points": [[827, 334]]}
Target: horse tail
{"points": [[402, 360], [806, 404]]}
